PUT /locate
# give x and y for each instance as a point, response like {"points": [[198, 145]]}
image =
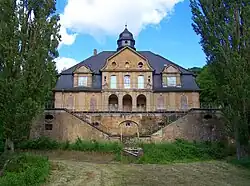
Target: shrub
{"points": [[25, 170], [182, 151], [78, 145], [42, 143]]}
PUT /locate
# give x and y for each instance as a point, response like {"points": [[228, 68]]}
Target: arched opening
{"points": [[141, 102], [127, 103], [129, 128], [184, 102], [113, 102]]}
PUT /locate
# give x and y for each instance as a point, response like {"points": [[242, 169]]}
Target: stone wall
{"points": [[63, 126], [199, 125], [87, 101], [195, 125]]}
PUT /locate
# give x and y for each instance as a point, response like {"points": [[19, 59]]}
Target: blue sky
{"points": [[167, 32]]}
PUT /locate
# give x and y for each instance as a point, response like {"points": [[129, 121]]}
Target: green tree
{"points": [[207, 84], [28, 46], [225, 37], [195, 70]]}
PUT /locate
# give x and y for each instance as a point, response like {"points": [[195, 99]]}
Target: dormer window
{"points": [[171, 81], [83, 81]]}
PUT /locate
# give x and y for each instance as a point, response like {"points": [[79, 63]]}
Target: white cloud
{"points": [[108, 17], [63, 63], [67, 39]]}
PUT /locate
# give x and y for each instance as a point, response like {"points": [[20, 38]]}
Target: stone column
{"points": [[134, 104], [120, 106], [149, 107]]}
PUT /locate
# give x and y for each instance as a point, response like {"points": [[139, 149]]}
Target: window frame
{"points": [[82, 81], [113, 85], [127, 81], [141, 85], [171, 84]]}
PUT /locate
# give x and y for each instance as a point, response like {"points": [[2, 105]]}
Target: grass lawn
{"points": [[80, 168]]}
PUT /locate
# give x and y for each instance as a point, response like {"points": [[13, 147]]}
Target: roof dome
{"points": [[126, 39]]}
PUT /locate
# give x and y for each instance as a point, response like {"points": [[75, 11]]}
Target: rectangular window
{"points": [[113, 82], [140, 82], [127, 81], [48, 126], [83, 81], [164, 81], [172, 81]]}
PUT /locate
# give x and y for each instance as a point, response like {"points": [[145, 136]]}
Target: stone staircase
{"points": [[87, 119]]}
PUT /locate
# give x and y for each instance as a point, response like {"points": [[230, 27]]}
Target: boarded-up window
{"points": [[70, 102], [184, 103], [160, 102], [93, 104]]}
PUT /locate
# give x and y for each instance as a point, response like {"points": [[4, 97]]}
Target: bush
{"points": [[182, 151], [78, 145], [242, 163], [25, 170], [42, 143]]}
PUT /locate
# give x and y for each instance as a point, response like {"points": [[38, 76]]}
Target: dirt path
{"points": [[77, 172]]}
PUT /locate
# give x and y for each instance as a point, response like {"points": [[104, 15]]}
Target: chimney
{"points": [[95, 52]]}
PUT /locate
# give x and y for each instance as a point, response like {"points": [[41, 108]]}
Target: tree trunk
{"points": [[9, 145]]}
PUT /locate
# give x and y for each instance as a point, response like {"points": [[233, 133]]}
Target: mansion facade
{"points": [[126, 80]]}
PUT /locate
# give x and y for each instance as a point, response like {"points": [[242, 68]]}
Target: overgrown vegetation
{"points": [[25, 170], [79, 145], [182, 151], [178, 151]]}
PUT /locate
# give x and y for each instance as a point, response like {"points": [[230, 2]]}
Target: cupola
{"points": [[126, 39]]}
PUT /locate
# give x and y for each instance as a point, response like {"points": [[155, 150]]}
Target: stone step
{"points": [[133, 151]]}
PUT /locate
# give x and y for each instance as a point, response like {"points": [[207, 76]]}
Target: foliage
{"points": [[245, 162], [207, 83], [195, 70], [24, 170], [78, 145], [27, 68], [182, 151], [225, 37]]}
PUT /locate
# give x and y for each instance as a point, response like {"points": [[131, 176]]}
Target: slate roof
{"points": [[95, 63]]}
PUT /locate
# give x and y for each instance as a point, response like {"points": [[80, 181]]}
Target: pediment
{"points": [[171, 69], [127, 59], [83, 69]]}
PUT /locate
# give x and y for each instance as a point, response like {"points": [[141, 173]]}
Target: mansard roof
{"points": [[96, 62]]}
